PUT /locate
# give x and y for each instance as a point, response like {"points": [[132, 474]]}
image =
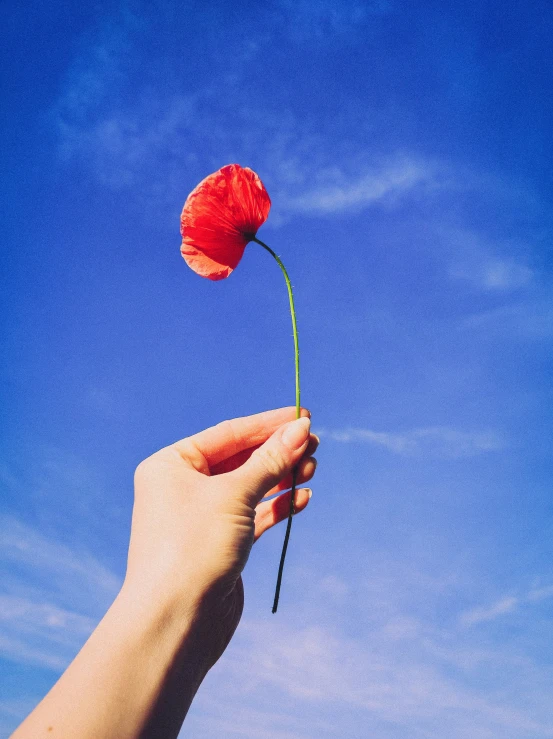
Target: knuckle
{"points": [[144, 468], [187, 449], [272, 461], [191, 454]]}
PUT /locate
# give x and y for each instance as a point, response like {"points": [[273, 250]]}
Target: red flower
{"points": [[220, 216]]}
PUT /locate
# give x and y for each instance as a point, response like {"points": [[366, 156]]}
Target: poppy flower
{"points": [[220, 217]]}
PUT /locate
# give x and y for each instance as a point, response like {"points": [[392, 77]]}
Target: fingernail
{"points": [[295, 433]]}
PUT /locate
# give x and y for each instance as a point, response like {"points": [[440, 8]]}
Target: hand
{"points": [[198, 509]]}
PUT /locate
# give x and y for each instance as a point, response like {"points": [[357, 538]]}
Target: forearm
{"points": [[135, 677], [198, 508]]}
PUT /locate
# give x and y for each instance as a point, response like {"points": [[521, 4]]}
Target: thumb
{"points": [[273, 460]]}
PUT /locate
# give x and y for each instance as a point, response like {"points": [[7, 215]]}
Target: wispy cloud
{"points": [[439, 441], [486, 262], [343, 192], [96, 72], [401, 669], [53, 596], [231, 719], [503, 269], [132, 147], [504, 606], [154, 138], [398, 668], [480, 615], [63, 567], [308, 19], [495, 275], [60, 485], [523, 320], [41, 633], [125, 144], [13, 710]]}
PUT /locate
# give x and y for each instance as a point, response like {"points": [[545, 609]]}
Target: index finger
{"points": [[231, 437]]}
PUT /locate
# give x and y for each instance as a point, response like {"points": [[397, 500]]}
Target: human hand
{"points": [[199, 507]]}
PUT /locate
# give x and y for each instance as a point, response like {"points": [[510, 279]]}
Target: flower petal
{"points": [[206, 266], [220, 216]]}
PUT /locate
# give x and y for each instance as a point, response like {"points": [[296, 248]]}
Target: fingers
{"points": [[229, 438], [305, 470], [272, 461], [237, 460], [313, 445], [271, 512]]}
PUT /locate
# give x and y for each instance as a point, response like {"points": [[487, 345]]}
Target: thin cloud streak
{"points": [[134, 144], [530, 320], [11, 712], [506, 605], [438, 441], [495, 275], [132, 147], [97, 69], [393, 180], [481, 615], [24, 545], [45, 624], [485, 261], [317, 19], [403, 669]]}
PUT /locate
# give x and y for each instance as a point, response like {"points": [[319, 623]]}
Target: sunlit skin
{"points": [[200, 504]]}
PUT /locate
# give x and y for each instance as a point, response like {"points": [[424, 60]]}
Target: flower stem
{"points": [[292, 509]]}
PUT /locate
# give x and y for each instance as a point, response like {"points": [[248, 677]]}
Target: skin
{"points": [[199, 506]]}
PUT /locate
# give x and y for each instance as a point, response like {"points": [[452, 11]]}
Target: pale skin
{"points": [[198, 510]]}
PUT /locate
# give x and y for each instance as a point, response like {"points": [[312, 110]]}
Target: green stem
{"points": [[292, 509]]}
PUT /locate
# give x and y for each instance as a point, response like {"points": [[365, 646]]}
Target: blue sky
{"points": [[407, 150]]}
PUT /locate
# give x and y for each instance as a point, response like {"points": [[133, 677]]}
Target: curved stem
{"points": [[298, 411]]}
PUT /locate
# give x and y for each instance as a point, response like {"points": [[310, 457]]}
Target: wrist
{"points": [[136, 675], [187, 620], [172, 655]]}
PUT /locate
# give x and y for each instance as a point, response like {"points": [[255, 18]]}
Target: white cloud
{"points": [[333, 586], [495, 274], [504, 606], [399, 673], [480, 615], [25, 546], [136, 147], [97, 69], [52, 656], [13, 710], [524, 320], [539, 594], [344, 192], [308, 19], [153, 139], [53, 596], [231, 719], [36, 617], [438, 441], [398, 668]]}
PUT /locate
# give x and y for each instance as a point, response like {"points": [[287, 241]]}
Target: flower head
{"points": [[220, 216]]}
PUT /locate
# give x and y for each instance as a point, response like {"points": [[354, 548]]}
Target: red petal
{"points": [[220, 216]]}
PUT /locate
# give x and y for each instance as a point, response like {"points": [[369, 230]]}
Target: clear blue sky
{"points": [[407, 150]]}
